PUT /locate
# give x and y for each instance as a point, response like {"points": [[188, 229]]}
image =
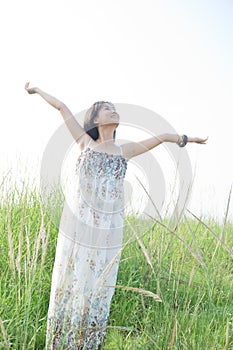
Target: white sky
{"points": [[173, 57]]}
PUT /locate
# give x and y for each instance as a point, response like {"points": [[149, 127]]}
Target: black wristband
{"points": [[183, 141]]}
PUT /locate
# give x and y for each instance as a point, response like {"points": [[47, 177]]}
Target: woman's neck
{"points": [[105, 135]]}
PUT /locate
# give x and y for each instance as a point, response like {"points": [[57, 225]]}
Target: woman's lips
{"points": [[115, 115]]}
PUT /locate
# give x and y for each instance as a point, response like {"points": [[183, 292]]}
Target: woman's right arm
{"points": [[74, 127]]}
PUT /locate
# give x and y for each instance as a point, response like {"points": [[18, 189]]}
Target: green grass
{"points": [[190, 268]]}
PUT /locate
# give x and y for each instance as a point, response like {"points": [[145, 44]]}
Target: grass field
{"points": [[189, 268]]}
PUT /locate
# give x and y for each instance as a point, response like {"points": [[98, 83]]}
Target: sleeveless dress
{"points": [[87, 254]]}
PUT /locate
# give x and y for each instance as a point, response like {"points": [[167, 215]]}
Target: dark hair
{"points": [[89, 125]]}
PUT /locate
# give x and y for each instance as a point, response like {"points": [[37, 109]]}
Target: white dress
{"points": [[87, 254]]}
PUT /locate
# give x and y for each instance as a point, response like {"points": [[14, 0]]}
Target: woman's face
{"points": [[107, 115]]}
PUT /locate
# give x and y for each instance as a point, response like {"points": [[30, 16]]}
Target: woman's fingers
{"points": [[27, 85], [203, 141], [30, 90]]}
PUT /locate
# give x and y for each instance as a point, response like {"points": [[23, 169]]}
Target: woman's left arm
{"points": [[133, 149]]}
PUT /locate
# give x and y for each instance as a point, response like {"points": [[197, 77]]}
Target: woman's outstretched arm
{"points": [[75, 128], [133, 149]]}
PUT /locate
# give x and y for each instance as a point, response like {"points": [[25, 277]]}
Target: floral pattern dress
{"points": [[88, 254]]}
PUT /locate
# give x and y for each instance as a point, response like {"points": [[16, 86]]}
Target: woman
{"points": [[89, 239]]}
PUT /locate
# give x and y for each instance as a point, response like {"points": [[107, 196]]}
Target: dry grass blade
{"points": [[224, 245], [19, 254], [227, 335], [44, 236], [191, 276], [120, 328], [4, 334], [143, 304], [10, 243], [183, 241], [27, 240], [41, 241], [226, 214], [20, 242], [194, 239], [156, 209], [146, 254], [144, 292], [174, 331], [152, 341], [224, 223]]}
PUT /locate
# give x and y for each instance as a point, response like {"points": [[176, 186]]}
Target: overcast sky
{"points": [[172, 57]]}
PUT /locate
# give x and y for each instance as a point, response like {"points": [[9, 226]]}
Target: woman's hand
{"points": [[32, 90], [198, 140]]}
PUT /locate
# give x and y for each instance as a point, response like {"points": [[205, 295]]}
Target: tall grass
{"points": [[174, 287]]}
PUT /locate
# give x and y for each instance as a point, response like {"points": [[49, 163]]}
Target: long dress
{"points": [[87, 254]]}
